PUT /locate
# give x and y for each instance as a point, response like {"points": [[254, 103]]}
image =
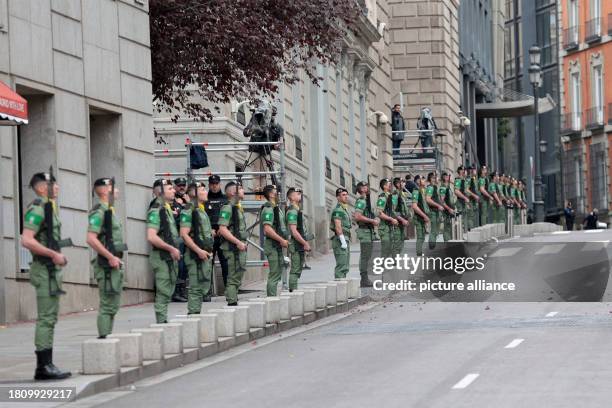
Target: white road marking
{"points": [[505, 252], [560, 232], [550, 249], [465, 381], [595, 246], [551, 314], [514, 343], [592, 231]]}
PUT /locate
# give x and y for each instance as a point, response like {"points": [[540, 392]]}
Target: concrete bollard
{"points": [[152, 343], [101, 356], [342, 290], [225, 322], [296, 303], [474, 236], [191, 331], [331, 293], [173, 337], [272, 308], [208, 326], [130, 348], [309, 300], [241, 318], [320, 291], [257, 314], [284, 312], [354, 288]]}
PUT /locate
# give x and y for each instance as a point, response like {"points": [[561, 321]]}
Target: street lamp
{"points": [[535, 77]]}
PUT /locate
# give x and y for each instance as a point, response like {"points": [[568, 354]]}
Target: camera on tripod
{"points": [[263, 128]]}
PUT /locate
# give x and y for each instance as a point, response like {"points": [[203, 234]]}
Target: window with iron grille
{"points": [[241, 116], [298, 148], [572, 178], [328, 172], [598, 166], [342, 179]]}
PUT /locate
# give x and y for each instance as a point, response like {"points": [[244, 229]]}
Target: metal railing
{"points": [[610, 114], [570, 38], [594, 117], [412, 157], [610, 24], [593, 30], [570, 122]]}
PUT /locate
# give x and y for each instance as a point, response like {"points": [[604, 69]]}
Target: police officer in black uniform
{"points": [[181, 199], [216, 200]]}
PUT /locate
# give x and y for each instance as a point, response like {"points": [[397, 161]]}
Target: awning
{"points": [[13, 108]]}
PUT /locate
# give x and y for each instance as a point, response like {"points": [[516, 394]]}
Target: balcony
{"points": [[610, 24], [593, 30], [595, 117], [610, 114], [570, 123], [570, 38]]}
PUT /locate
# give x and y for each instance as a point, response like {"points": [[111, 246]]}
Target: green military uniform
{"points": [[418, 196], [461, 205], [435, 216], [498, 216], [447, 196], [516, 211], [366, 235], [473, 218], [387, 203], [109, 289], [400, 208], [342, 255], [484, 201], [296, 251], [272, 215], [47, 305], [164, 267], [198, 270], [232, 217]]}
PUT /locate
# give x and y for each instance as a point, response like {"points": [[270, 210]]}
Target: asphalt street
{"points": [[398, 352]]}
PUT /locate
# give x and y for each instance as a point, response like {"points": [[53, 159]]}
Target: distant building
{"points": [[530, 23], [586, 122]]}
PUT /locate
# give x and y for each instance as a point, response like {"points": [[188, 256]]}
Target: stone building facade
{"points": [[84, 68]]}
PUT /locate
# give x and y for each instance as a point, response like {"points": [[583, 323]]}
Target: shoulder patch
{"points": [[360, 204]]}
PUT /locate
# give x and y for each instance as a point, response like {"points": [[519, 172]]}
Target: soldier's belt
{"points": [[66, 242], [364, 225]]}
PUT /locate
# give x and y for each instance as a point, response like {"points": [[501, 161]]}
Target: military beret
{"points": [[341, 190], [104, 181], [162, 182], [293, 190], [383, 182], [214, 179], [180, 181]]}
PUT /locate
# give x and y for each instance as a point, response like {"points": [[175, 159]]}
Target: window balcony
{"points": [[595, 117], [610, 24], [610, 114], [570, 122], [570, 38], [593, 30]]}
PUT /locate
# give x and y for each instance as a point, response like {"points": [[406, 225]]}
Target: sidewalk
{"points": [[17, 359]]}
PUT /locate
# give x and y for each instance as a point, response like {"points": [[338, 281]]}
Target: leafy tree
{"points": [[215, 50]]}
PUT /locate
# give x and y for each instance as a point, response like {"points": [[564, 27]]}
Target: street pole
{"points": [[538, 201]]}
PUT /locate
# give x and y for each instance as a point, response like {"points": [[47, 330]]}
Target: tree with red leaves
{"points": [[216, 50]]}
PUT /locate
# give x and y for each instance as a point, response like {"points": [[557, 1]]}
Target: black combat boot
{"points": [[179, 291], [366, 282], [45, 370]]}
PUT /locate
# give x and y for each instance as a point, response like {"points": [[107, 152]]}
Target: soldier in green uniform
{"points": [[472, 183], [433, 200], [494, 191], [421, 213], [388, 221], [483, 192], [109, 247], [463, 201], [273, 219], [298, 243], [366, 222], [41, 222], [522, 196], [163, 236], [340, 225], [402, 214], [516, 205], [448, 200], [232, 228], [196, 232]]}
